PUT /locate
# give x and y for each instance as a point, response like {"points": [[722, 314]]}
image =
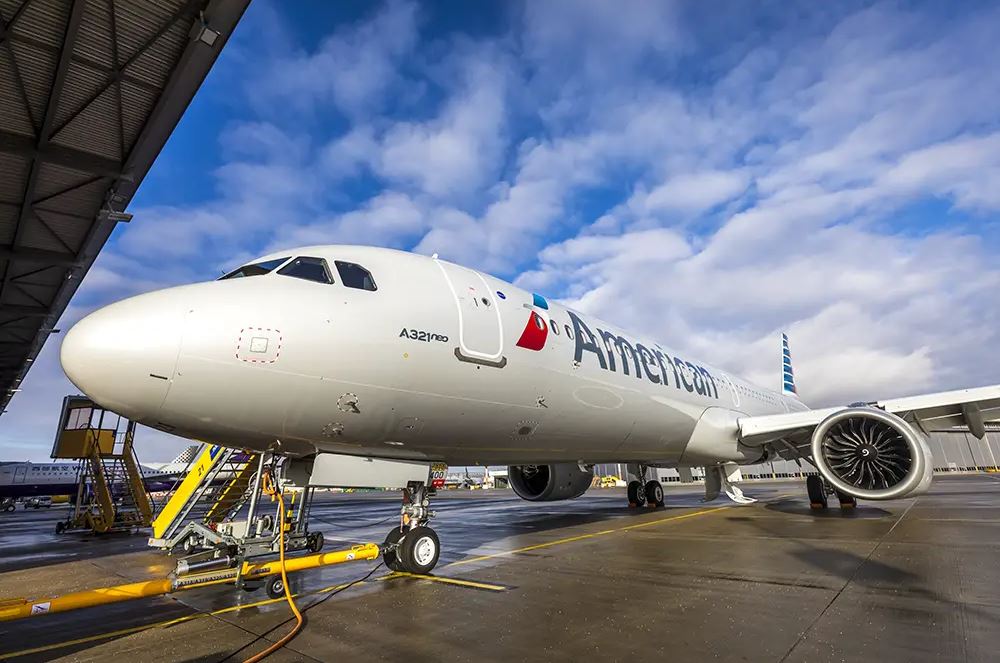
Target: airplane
{"points": [[329, 352], [27, 479], [180, 463]]}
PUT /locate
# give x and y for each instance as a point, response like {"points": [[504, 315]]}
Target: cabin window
{"points": [[355, 276], [256, 269], [554, 326], [309, 269]]}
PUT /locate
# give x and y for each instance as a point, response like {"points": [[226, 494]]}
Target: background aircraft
{"points": [[27, 479]]}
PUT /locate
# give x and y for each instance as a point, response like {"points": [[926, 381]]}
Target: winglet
{"points": [[787, 375]]}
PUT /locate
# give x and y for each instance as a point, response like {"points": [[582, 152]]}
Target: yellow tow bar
{"points": [[20, 608]]}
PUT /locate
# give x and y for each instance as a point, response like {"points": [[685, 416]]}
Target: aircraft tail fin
{"points": [[186, 456], [787, 374]]}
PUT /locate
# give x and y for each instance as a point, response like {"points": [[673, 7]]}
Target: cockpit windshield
{"points": [[256, 269], [310, 269]]}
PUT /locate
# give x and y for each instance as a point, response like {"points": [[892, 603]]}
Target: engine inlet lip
{"points": [[909, 482]]}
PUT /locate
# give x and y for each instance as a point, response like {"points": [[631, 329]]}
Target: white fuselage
{"points": [[439, 362]]}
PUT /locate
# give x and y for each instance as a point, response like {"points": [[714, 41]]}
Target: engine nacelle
{"points": [[548, 483], [871, 454]]}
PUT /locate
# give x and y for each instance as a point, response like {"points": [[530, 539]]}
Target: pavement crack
{"points": [[826, 608]]}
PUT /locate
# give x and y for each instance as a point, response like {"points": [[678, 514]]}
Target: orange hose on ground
{"points": [[271, 490]]}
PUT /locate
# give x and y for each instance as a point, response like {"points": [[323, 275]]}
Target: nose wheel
{"points": [[416, 551], [389, 549], [413, 546]]}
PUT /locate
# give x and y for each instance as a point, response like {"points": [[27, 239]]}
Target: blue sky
{"points": [[706, 173]]}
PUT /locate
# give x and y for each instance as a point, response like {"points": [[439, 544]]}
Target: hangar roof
{"points": [[90, 90]]}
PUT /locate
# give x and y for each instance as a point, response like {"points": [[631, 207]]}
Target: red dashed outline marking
{"points": [[239, 344]]}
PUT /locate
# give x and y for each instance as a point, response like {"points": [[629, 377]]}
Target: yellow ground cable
{"points": [[270, 489]]}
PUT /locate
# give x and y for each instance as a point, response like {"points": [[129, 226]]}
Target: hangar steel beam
{"points": [[26, 146], [43, 133], [51, 205]]}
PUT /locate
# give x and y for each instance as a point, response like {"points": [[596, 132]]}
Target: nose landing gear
{"points": [[413, 546]]}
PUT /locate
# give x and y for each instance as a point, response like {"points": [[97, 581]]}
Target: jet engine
{"points": [[548, 483], [871, 454]]}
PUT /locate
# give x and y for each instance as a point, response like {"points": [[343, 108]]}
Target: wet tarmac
{"points": [[911, 580]]}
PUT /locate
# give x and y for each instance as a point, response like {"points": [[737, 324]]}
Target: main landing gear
{"points": [[413, 546], [819, 490], [645, 493]]}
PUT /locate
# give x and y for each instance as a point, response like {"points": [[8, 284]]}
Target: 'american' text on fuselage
{"points": [[651, 364]]}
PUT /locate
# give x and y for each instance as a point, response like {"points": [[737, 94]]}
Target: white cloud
{"points": [[967, 168], [354, 69], [450, 156], [599, 41], [849, 297], [389, 219], [656, 163], [456, 153], [693, 192]]}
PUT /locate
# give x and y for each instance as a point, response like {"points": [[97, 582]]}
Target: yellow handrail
{"points": [[209, 456]]}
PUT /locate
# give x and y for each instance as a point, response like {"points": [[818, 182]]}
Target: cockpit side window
{"points": [[310, 269], [355, 276], [255, 269]]}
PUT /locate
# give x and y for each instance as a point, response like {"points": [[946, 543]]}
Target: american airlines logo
{"points": [[636, 359]]}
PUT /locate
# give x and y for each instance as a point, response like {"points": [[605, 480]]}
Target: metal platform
{"points": [[914, 580]]}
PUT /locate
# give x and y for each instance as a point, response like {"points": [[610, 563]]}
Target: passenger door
{"points": [[480, 335], [732, 389], [19, 473]]}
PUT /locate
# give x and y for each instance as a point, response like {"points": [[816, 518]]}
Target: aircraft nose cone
{"points": [[123, 355]]}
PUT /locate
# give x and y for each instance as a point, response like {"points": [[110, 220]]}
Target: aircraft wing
{"points": [[928, 412]]}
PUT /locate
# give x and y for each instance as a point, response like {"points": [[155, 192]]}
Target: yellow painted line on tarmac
{"points": [[592, 535], [243, 606], [448, 581], [332, 588], [102, 636]]}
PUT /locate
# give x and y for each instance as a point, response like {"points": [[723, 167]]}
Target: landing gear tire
{"points": [[817, 492], [315, 541], [419, 550], [8, 508], [636, 494], [275, 587], [847, 502], [654, 494], [60, 527], [389, 553]]}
